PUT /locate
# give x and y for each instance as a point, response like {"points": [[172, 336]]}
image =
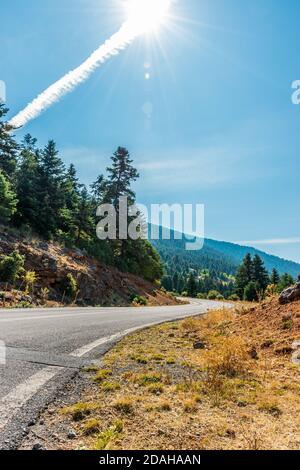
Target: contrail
{"points": [[113, 46]]}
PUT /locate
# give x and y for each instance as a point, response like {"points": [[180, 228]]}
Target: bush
{"points": [[220, 297], [213, 294], [70, 286], [201, 296], [228, 358], [30, 278], [140, 300], [250, 292], [11, 267], [234, 298], [110, 434]]}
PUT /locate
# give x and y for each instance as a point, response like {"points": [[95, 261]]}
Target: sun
{"points": [[147, 15]]}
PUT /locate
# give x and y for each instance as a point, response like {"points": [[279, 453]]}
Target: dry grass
{"points": [[158, 392]]}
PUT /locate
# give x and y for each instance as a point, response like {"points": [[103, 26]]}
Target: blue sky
{"points": [[214, 124]]}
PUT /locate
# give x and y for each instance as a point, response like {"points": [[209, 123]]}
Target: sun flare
{"points": [[147, 14]]}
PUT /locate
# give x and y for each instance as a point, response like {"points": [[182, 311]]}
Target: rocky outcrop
{"points": [[98, 284], [291, 294]]}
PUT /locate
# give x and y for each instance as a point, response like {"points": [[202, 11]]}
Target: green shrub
{"points": [[11, 267], [201, 295], [110, 434], [234, 298], [70, 286], [213, 295], [220, 297], [250, 292], [140, 300]]}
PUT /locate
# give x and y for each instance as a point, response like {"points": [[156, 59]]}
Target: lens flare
{"points": [[147, 14], [143, 15]]}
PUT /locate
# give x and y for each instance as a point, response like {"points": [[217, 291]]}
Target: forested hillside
{"points": [[40, 197], [214, 267]]}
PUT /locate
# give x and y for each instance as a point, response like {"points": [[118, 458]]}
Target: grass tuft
{"points": [[109, 435], [124, 405], [79, 411], [110, 386], [91, 426]]}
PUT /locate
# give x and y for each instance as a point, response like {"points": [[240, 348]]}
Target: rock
{"points": [[296, 344], [231, 433], [72, 435], [253, 353], [291, 294], [38, 446], [31, 423], [199, 345]]}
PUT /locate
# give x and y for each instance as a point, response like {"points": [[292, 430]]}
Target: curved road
{"points": [[45, 347]]}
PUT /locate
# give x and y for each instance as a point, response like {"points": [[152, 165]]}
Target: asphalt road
{"points": [[44, 348]]}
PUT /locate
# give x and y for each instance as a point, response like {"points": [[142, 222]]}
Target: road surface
{"points": [[45, 347]]}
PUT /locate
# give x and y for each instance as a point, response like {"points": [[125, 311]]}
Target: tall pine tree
{"points": [[8, 146], [275, 278], [244, 275], [260, 274], [27, 184], [8, 200], [51, 191]]}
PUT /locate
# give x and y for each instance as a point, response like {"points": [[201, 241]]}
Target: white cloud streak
{"points": [[113, 46]]}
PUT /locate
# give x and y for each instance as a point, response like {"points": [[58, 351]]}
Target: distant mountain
{"points": [[220, 256]]}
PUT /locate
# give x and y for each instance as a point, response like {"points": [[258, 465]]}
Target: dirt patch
{"points": [[98, 284]]}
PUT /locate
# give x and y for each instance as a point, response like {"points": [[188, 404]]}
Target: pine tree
{"points": [[167, 283], [175, 281], [248, 263], [191, 285], [250, 292], [121, 175], [275, 278], [260, 274], [27, 184], [98, 189], [181, 284], [244, 275], [83, 219], [8, 200], [286, 281], [8, 146], [69, 214], [51, 191]]}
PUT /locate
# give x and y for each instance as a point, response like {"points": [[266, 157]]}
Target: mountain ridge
{"points": [[231, 254]]}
